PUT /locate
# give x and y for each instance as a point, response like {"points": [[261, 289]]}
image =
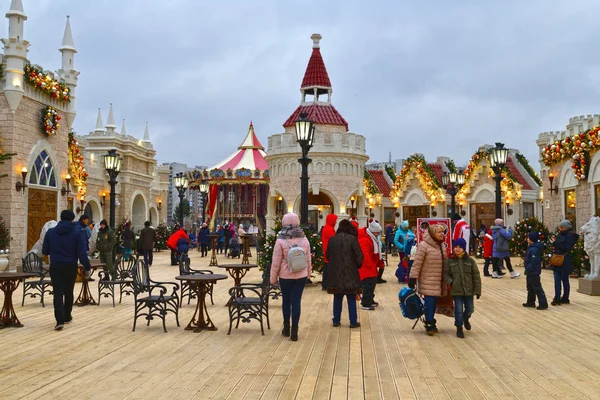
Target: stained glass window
{"points": [[42, 171]]}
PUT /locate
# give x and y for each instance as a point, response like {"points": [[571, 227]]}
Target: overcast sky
{"points": [[438, 77]]}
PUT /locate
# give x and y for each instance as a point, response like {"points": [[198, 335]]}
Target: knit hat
{"points": [[460, 242], [404, 224], [290, 219], [456, 217], [565, 224], [498, 221], [67, 215], [534, 237], [374, 227]]}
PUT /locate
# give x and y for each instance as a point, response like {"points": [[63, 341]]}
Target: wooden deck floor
{"points": [[512, 352]]}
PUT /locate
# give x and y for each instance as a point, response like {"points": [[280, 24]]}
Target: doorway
{"points": [[483, 213], [42, 206], [411, 213]]}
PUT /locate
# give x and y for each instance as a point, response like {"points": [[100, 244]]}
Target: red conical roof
{"points": [[316, 73], [319, 114]]}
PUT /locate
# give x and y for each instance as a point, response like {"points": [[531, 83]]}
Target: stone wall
{"points": [[22, 133]]}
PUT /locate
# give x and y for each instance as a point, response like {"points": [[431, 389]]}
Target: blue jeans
{"points": [[561, 275], [430, 303], [337, 307], [147, 257], [463, 309], [291, 293]]}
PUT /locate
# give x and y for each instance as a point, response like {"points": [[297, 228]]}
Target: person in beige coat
{"points": [[427, 272]]}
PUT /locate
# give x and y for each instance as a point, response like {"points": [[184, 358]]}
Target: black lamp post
{"points": [[498, 156], [204, 192], [181, 184], [453, 181], [305, 132], [112, 165]]}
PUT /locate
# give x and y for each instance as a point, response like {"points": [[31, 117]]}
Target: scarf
{"points": [[291, 231], [375, 240]]}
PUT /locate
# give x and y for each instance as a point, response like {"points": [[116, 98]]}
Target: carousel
{"points": [[238, 186]]}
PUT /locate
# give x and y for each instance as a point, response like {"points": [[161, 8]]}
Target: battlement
{"points": [[324, 142], [582, 118]]}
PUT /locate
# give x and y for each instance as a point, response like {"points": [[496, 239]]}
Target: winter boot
{"points": [[459, 332], [286, 329], [380, 276], [435, 329], [430, 328], [556, 302], [565, 301], [294, 335], [467, 324]]}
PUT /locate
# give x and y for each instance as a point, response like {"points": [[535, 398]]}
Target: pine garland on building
{"points": [[577, 148], [391, 173], [45, 83], [4, 235], [525, 163], [76, 166], [451, 166], [369, 184]]}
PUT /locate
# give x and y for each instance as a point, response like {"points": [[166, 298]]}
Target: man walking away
{"points": [[65, 243], [147, 240], [107, 239]]}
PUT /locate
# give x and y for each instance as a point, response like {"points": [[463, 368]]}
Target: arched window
{"points": [[42, 171]]}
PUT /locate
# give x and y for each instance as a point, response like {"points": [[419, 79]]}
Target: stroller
{"points": [[234, 248]]}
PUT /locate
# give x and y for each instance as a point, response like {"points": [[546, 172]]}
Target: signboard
{"points": [[424, 223]]}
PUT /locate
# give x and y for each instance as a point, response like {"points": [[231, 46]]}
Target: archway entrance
{"points": [[42, 205], [319, 206], [153, 217], [92, 210], [138, 214]]}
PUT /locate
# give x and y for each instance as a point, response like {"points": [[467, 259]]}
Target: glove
{"points": [[478, 296], [88, 274], [412, 282]]}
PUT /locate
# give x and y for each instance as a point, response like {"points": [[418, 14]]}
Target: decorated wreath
{"points": [[50, 121]]}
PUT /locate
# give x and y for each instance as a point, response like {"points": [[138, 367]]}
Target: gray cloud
{"points": [[437, 77]]}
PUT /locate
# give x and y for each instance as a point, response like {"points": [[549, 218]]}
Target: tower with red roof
{"points": [[338, 155]]}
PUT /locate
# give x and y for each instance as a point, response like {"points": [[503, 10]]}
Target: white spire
{"points": [[146, 134], [67, 42], [16, 8], [99, 126], [123, 130], [110, 124]]}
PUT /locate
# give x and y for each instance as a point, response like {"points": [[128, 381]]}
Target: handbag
{"points": [[557, 260]]}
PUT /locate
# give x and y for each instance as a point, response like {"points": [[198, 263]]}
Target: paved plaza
{"points": [[512, 352]]}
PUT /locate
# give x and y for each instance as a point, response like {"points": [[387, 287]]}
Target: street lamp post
{"points": [[204, 192], [181, 184], [498, 156], [112, 165], [453, 181], [305, 132]]}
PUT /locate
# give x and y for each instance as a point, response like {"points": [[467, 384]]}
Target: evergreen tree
{"points": [[187, 211]]}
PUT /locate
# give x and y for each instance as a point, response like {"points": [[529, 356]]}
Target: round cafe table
{"points": [[9, 281], [85, 295], [237, 272], [200, 284]]}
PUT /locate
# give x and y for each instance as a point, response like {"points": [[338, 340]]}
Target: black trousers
{"points": [[368, 287], [203, 250], [534, 288], [63, 281], [496, 263]]}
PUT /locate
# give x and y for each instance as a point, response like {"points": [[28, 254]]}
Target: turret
{"points": [[123, 130], [67, 73], [99, 127], [15, 54], [146, 134], [110, 124]]}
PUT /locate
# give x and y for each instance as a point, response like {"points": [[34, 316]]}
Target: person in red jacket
{"points": [[368, 238], [326, 234], [488, 249]]}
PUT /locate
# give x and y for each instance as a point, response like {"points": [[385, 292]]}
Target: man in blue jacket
{"points": [[65, 243]]}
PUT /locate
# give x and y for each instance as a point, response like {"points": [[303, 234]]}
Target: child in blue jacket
{"points": [[533, 270]]}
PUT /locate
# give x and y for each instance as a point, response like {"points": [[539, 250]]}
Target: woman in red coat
{"points": [[488, 249], [368, 239]]}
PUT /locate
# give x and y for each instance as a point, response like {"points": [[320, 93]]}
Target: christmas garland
{"points": [[509, 182], [391, 173], [50, 121], [451, 166], [427, 179], [268, 244], [45, 83], [369, 184], [525, 163], [577, 147], [76, 166]]}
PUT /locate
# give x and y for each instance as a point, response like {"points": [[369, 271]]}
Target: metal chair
{"points": [[152, 296], [123, 277], [37, 286], [186, 289], [249, 301]]}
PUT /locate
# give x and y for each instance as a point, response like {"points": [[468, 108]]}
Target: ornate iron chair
{"points": [[37, 286], [250, 301], [123, 277], [186, 289], [152, 298]]}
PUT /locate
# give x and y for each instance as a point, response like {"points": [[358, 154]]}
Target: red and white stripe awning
{"points": [[249, 155]]}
